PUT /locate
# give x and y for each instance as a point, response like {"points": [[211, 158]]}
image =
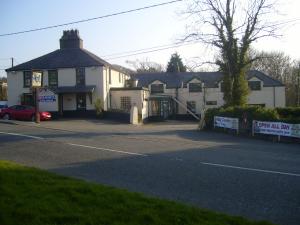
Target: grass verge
{"points": [[31, 196]]}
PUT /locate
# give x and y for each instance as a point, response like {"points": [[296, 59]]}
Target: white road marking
{"points": [[250, 169], [106, 149], [139, 154], [22, 135]]}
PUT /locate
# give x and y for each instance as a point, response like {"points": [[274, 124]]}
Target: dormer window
{"points": [[254, 85], [157, 88], [195, 87]]}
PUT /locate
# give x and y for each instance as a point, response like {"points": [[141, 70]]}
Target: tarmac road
{"points": [[240, 176]]}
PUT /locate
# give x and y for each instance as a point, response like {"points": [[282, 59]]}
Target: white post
{"points": [[134, 115]]}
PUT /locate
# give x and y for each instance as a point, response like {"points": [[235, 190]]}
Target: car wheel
{"points": [[6, 116], [33, 118]]}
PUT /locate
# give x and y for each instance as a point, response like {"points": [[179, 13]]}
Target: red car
{"points": [[22, 112]]}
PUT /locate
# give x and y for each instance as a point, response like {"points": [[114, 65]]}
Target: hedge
{"points": [[288, 115]]}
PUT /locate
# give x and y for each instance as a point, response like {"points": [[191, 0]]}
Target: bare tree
{"points": [[145, 66], [281, 67], [231, 26], [276, 64]]}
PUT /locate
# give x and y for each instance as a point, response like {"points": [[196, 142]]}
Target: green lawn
{"points": [[31, 196]]}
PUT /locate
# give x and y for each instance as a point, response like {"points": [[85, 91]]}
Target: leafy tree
{"points": [[231, 26], [175, 64]]}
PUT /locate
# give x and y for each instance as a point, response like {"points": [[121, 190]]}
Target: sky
{"points": [[137, 30]]}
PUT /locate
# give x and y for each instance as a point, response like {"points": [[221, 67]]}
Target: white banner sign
{"points": [[226, 122], [276, 128]]}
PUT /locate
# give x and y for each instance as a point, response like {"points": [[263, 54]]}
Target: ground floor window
{"points": [[191, 105], [211, 103], [126, 103], [81, 101], [27, 99], [261, 105]]}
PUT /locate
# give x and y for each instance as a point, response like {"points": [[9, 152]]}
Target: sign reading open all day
{"points": [[37, 78]]}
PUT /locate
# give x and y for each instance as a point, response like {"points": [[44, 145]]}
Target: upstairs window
{"points": [[157, 88], [254, 85], [195, 87], [27, 78], [52, 78], [80, 76]]}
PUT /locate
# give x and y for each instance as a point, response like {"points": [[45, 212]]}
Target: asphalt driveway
{"points": [[240, 176]]}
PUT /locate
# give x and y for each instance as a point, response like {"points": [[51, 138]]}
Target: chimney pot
{"points": [[70, 40]]}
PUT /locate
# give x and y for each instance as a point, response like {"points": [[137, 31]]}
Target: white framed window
{"points": [[126, 103], [254, 85], [195, 87], [157, 88]]}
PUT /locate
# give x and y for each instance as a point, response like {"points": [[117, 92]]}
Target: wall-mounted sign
{"points": [[37, 78], [49, 98]]}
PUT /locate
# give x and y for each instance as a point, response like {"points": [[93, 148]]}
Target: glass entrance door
{"points": [[81, 101]]}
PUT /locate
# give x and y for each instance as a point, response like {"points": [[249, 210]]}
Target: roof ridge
{"points": [[267, 75]]}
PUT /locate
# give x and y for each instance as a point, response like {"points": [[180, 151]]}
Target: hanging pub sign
{"points": [[37, 78]]}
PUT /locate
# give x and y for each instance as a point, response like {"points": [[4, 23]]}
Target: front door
{"points": [[81, 101], [165, 109]]}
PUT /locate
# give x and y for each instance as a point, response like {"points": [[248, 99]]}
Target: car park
{"points": [[22, 112]]}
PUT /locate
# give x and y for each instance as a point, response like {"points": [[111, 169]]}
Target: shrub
{"points": [[248, 112], [99, 107], [289, 114]]}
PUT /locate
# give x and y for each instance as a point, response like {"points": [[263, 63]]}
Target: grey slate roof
{"points": [[63, 58], [210, 79]]}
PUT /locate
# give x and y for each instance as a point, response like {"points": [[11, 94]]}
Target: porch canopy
{"points": [[159, 97], [75, 89]]}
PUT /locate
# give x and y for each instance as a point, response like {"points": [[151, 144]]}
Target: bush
{"points": [[248, 112], [99, 107], [289, 114]]}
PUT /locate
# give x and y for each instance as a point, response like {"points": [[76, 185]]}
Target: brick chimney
{"points": [[70, 39]]}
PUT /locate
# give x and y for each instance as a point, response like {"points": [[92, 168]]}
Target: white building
{"points": [[171, 94], [73, 78]]}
